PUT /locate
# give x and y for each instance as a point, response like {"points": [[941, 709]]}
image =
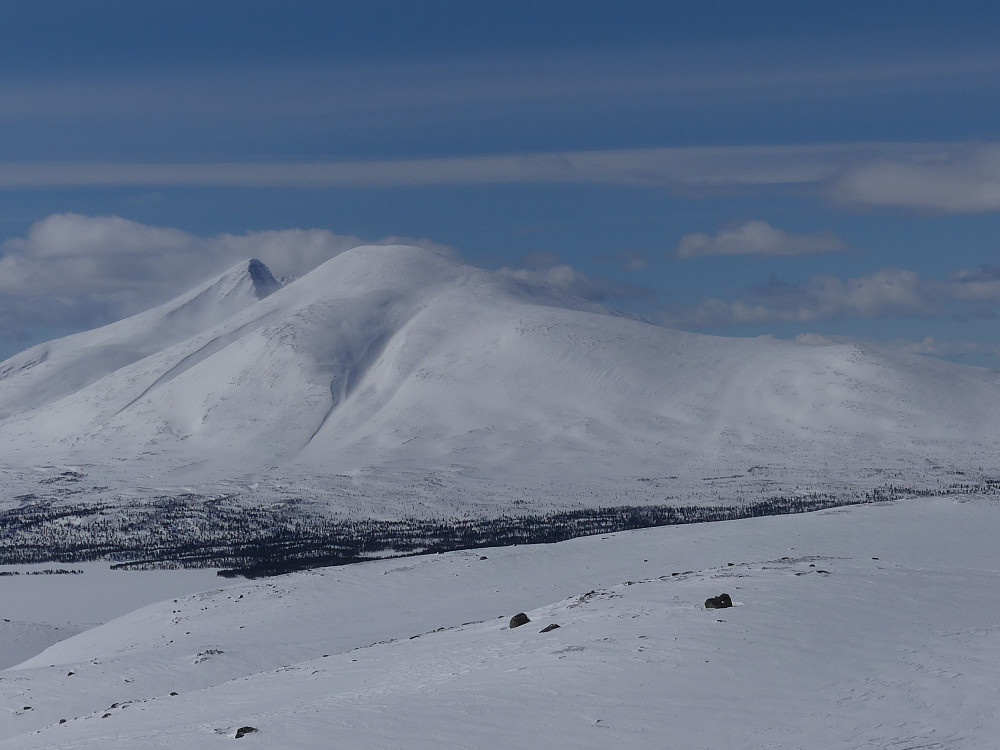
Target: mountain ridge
{"points": [[83, 358]]}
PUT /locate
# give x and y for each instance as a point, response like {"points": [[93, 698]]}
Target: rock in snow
{"points": [[518, 620], [718, 602]]}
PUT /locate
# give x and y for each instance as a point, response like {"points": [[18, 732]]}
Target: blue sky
{"points": [[827, 171]]}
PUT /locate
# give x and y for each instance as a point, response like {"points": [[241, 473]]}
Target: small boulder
{"points": [[518, 620], [718, 602], [245, 730], [547, 628]]}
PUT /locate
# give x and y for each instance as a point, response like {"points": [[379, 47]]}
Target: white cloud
{"points": [[975, 287], [952, 180], [80, 271], [889, 291], [929, 345], [571, 281], [73, 234], [884, 293], [757, 238], [820, 339]]}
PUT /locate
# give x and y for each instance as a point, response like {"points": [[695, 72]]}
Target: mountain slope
{"points": [[58, 368], [388, 360]]}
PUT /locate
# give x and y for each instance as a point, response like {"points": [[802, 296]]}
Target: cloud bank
{"points": [[79, 272], [547, 269], [757, 238], [954, 181], [928, 345], [888, 292]]}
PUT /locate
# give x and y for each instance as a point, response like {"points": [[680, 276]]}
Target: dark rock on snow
{"points": [[719, 602], [547, 628], [245, 730], [518, 620]]}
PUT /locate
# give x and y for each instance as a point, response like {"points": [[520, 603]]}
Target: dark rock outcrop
{"points": [[547, 628], [245, 730], [718, 602], [518, 620]]}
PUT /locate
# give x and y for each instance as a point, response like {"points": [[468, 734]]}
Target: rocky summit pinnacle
{"points": [[264, 282]]}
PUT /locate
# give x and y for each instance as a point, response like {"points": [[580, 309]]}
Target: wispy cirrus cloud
{"points": [[945, 177], [590, 79], [757, 237], [674, 168]]}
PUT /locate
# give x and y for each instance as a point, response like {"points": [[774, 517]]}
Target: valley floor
{"points": [[873, 626]]}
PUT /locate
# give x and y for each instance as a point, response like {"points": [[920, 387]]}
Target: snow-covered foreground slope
{"points": [[394, 375], [864, 627], [38, 608]]}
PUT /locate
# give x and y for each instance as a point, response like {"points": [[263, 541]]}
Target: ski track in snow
{"points": [[863, 627]]}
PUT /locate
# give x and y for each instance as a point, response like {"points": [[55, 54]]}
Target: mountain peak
{"points": [[64, 366], [263, 280]]}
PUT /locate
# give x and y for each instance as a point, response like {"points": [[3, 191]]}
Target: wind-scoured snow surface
{"points": [[394, 380], [864, 627]]}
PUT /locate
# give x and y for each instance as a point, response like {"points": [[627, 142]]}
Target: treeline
{"points": [[46, 572], [194, 531], [444, 535]]}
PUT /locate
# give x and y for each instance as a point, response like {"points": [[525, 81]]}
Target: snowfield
{"points": [[862, 627]]}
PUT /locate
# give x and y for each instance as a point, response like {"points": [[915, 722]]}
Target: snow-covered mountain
{"points": [[387, 361]]}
